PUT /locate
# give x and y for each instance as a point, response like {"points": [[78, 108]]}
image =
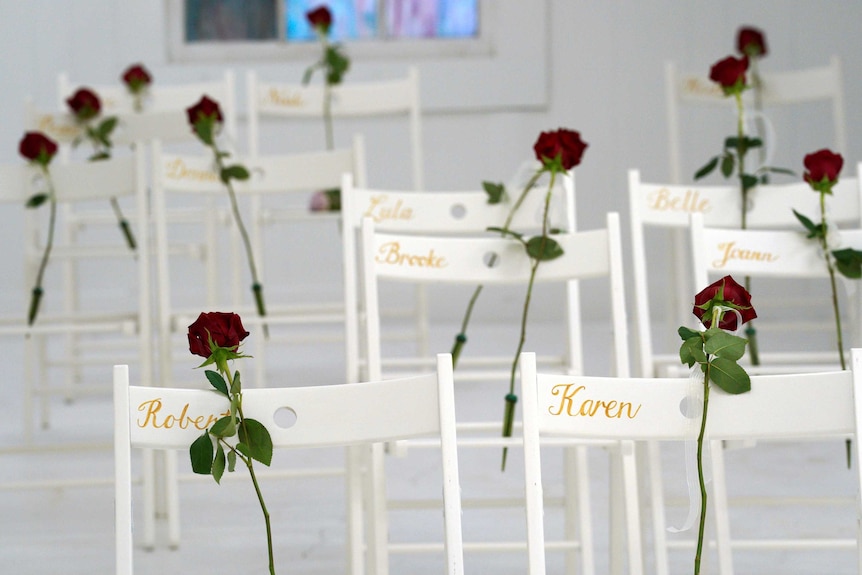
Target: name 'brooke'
{"points": [[390, 253]]}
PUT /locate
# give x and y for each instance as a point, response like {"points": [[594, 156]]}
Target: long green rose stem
{"points": [[256, 286], [103, 152], [825, 247], [716, 319], [249, 464], [757, 87], [741, 147], [461, 337], [36, 296], [511, 398], [124, 225]]}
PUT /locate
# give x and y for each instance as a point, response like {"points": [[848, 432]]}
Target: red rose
{"points": [[563, 144], [37, 147], [751, 42], [821, 169], [320, 18], [729, 73], [727, 293], [136, 77], [203, 110], [224, 329], [85, 104]]}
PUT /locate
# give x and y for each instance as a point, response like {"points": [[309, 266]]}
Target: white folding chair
{"points": [[656, 207], [790, 88], [442, 213], [109, 310], [463, 261], [293, 101], [358, 414], [778, 408]]}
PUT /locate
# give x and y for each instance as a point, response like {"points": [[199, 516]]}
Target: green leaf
{"points": [[748, 181], [725, 345], [217, 381], [729, 376], [337, 64], [496, 192], [201, 453], [231, 461], [218, 463], [37, 200], [732, 142], [236, 385], [728, 162], [752, 143], [235, 172], [814, 230], [505, 232], [784, 171], [543, 248], [98, 156], [254, 436], [706, 169], [691, 351], [106, 127], [687, 333], [224, 427], [849, 262]]}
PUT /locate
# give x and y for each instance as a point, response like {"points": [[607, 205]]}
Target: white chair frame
{"points": [[355, 415], [778, 407], [588, 254]]}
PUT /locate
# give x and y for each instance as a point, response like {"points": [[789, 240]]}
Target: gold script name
{"points": [[661, 200], [178, 170], [282, 98], [379, 211], [588, 407], [390, 253], [698, 87], [729, 251], [49, 125], [152, 417]]}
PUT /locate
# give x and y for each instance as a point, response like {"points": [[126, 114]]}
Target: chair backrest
{"points": [[325, 415], [464, 260], [669, 207], [623, 408], [164, 115], [349, 100], [823, 83], [435, 213]]}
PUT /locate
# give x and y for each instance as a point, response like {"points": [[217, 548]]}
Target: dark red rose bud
{"points": [[729, 73], [822, 168], [224, 329], [37, 147], [563, 144], [85, 104], [320, 18], [727, 293], [137, 78], [751, 42], [204, 109]]}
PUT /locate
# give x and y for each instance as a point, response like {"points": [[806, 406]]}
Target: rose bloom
{"points": [[733, 293], [136, 77], [205, 108], [85, 104], [224, 329], [37, 147], [729, 72], [822, 164], [319, 202], [566, 144], [751, 41], [320, 18]]}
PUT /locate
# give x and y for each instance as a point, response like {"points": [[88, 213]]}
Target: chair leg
{"points": [[616, 515], [353, 485], [628, 464], [172, 498], [720, 509], [578, 510], [148, 481], [659, 520], [377, 524]]}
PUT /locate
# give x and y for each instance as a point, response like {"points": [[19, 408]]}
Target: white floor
{"points": [[70, 530]]}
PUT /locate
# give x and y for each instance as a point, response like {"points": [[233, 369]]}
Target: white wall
{"points": [[593, 66]]}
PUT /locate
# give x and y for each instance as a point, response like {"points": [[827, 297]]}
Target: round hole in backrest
{"points": [[284, 417], [690, 407], [491, 259], [458, 211]]}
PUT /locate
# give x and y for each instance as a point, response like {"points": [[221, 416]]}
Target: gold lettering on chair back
{"points": [[662, 200], [277, 97], [49, 125], [729, 251], [379, 211], [153, 417], [697, 87], [390, 253], [585, 406], [177, 169]]}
